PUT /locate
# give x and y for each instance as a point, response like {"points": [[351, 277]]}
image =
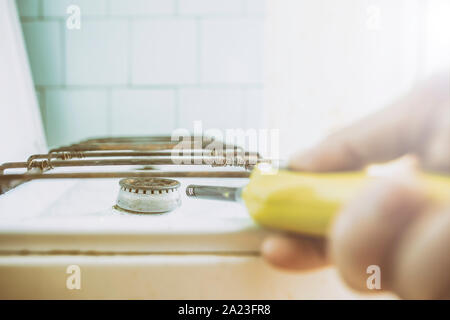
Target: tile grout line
{"points": [[222, 86], [144, 17]]}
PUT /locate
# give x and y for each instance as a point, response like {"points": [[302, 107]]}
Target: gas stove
{"points": [[129, 189], [118, 209]]}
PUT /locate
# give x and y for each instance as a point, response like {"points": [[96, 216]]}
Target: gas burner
{"points": [[148, 195]]}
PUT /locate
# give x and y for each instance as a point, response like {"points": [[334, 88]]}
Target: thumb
{"points": [[373, 139], [328, 156], [404, 127]]}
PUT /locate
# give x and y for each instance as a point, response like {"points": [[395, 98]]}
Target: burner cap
{"points": [[148, 195], [149, 184]]}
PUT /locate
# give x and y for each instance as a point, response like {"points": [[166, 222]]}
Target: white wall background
{"points": [[331, 62], [150, 66], [139, 67]]}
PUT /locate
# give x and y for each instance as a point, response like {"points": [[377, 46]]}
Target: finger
{"points": [[368, 229], [333, 154], [294, 253], [404, 127], [422, 264]]}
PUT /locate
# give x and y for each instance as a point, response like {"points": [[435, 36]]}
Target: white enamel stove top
{"points": [[78, 215], [204, 249]]}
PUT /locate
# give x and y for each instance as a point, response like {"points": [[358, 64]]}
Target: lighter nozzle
{"points": [[213, 192]]}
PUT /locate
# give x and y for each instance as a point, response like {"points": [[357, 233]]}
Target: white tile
{"points": [[164, 52], [216, 108], [142, 7], [28, 8], [205, 7], [52, 8], [72, 115], [255, 7], [43, 42], [142, 112], [253, 108], [232, 51], [97, 54]]}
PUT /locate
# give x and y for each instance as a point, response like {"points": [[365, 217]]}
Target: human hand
{"points": [[391, 224]]}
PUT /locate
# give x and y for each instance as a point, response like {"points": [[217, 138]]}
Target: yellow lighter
{"points": [[304, 202]]}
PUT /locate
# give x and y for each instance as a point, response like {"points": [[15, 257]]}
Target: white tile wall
{"points": [[28, 8], [164, 51], [253, 108], [142, 7], [44, 44], [216, 108], [231, 51], [52, 8], [206, 7], [142, 112], [255, 7], [97, 54], [73, 115], [145, 66]]}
